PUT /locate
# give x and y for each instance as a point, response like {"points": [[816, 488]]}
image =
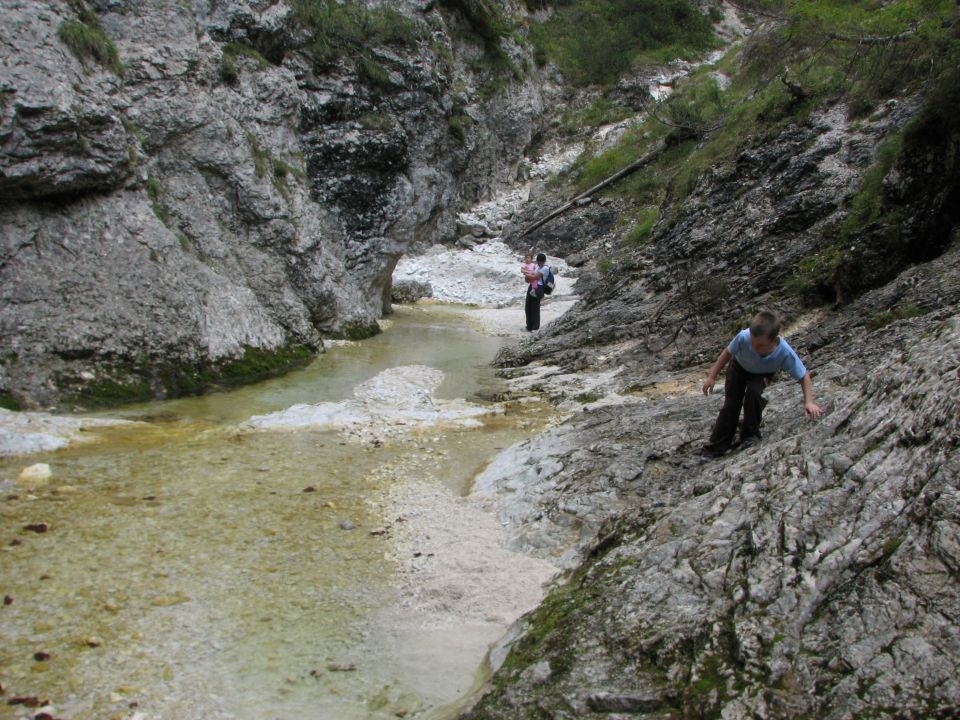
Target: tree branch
{"points": [[632, 167]]}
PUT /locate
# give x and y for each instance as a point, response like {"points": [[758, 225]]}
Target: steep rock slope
{"points": [[197, 193], [814, 575]]}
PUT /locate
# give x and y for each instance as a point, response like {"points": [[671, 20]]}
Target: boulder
{"points": [[409, 291]]}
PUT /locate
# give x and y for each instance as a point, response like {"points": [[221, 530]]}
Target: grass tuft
{"points": [[88, 42]]}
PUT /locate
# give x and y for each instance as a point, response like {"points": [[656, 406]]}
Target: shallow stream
{"points": [[177, 568]]}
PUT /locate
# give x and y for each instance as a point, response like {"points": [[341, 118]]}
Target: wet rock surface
{"points": [[397, 402], [811, 575], [819, 559]]}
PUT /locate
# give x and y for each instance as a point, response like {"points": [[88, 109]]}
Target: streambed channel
{"points": [[298, 548]]}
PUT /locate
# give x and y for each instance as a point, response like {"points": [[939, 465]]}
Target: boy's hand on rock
{"points": [[812, 410]]}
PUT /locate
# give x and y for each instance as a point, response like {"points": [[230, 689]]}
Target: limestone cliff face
{"points": [[216, 199]]}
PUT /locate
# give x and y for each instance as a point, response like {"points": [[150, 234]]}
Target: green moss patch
{"points": [[88, 43], [140, 380], [357, 331], [595, 41]]}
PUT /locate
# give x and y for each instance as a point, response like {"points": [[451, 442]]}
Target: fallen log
{"points": [[632, 167]]}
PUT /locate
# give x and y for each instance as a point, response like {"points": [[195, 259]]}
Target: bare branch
{"points": [[632, 167], [876, 40]]}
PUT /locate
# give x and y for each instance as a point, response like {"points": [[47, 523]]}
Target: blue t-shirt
{"points": [[783, 357]]}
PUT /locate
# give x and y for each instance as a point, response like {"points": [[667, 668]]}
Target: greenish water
{"points": [[190, 571]]}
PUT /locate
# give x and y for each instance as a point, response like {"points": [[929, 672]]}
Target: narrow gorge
{"points": [[214, 216]]}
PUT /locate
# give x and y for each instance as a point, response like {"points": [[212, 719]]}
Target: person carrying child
{"points": [[754, 355], [531, 305]]}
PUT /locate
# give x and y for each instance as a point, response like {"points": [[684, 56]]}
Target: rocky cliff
{"points": [[198, 193], [814, 575]]}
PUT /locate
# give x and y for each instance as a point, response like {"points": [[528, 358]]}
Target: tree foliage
{"points": [[595, 41], [349, 29]]}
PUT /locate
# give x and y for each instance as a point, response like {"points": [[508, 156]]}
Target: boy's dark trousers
{"points": [[741, 389], [531, 309]]}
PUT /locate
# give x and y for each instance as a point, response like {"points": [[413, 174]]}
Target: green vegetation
{"points": [[873, 244], [483, 18], [458, 123], [379, 122], [601, 112], [282, 171], [593, 42], [373, 72], [812, 279], [485, 21], [279, 171], [819, 53], [261, 157], [349, 29], [357, 331], [229, 72], [105, 392], [898, 313], [871, 49], [641, 233], [8, 401], [121, 382], [88, 42], [259, 363], [155, 193], [548, 635], [589, 397]]}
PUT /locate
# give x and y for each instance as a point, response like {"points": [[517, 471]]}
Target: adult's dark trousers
{"points": [[742, 390], [531, 309]]}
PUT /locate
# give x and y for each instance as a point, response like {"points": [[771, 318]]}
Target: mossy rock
{"points": [[121, 383], [357, 331]]}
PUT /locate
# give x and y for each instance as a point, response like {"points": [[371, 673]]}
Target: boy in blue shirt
{"points": [[755, 354]]}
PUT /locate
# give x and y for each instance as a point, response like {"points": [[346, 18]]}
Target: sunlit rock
{"points": [[397, 402], [34, 477]]}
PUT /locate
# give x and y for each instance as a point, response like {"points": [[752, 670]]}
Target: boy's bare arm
{"points": [[719, 365], [810, 408]]}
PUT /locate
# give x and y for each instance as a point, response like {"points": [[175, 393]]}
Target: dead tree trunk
{"points": [[632, 167]]}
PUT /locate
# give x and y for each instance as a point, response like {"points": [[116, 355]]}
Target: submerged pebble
{"points": [[34, 477]]}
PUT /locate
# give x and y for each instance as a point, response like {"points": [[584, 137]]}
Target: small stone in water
{"points": [[7, 600], [34, 477], [30, 701], [309, 489], [340, 667], [346, 525], [37, 527], [41, 656]]}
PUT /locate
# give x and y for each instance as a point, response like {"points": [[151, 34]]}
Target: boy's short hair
{"points": [[765, 324], [541, 258]]}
